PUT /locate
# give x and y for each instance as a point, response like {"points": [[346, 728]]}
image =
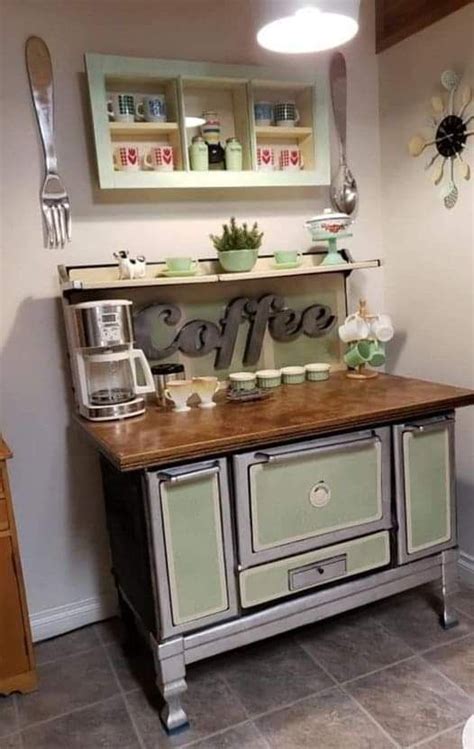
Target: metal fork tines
{"points": [[56, 211]]}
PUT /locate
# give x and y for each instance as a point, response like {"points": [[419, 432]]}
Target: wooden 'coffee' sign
{"points": [[201, 337]]}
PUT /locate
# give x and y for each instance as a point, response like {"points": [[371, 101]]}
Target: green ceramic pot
{"points": [[268, 378], [293, 375], [238, 261], [317, 372], [242, 380]]}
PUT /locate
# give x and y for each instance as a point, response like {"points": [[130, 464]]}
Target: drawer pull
{"points": [[320, 494], [314, 574], [173, 478]]}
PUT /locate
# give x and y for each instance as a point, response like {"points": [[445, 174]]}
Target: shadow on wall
{"points": [[51, 463], [394, 350]]}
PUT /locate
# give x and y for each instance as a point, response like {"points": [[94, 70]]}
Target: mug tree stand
{"points": [[362, 372]]}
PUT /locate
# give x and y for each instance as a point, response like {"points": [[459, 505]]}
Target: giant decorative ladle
{"points": [[343, 192]]}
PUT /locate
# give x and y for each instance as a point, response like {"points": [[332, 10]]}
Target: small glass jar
{"points": [[199, 154], [233, 155]]}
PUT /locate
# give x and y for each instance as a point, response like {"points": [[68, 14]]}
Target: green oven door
{"points": [[425, 486], [303, 496]]}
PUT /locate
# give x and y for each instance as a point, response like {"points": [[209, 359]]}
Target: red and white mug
{"points": [[160, 158], [127, 158], [291, 159], [265, 159]]}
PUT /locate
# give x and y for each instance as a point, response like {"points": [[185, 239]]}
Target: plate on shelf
{"points": [[286, 266], [178, 273]]}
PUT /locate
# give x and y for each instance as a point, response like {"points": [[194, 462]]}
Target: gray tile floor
{"points": [[380, 677]]}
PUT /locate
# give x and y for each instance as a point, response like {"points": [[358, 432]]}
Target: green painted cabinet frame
{"points": [[425, 486], [103, 68]]}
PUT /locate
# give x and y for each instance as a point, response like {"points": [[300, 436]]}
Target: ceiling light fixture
{"points": [[312, 28]]}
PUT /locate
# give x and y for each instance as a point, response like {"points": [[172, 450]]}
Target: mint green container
{"points": [[317, 372], [233, 155], [238, 261], [199, 154], [268, 378], [293, 375]]}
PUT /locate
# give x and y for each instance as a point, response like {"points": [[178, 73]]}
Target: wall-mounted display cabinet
{"points": [[189, 89]]}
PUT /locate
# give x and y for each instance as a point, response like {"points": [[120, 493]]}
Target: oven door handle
{"points": [[174, 478], [273, 456]]}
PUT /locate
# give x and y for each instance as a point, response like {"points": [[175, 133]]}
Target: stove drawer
{"points": [[305, 496], [277, 579]]}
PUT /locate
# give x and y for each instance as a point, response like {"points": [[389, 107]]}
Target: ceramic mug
{"points": [[127, 158], [179, 391], [121, 107], [181, 264], [263, 113], [268, 378], [152, 108], [293, 375], [291, 159], [358, 354], [160, 158], [206, 387], [265, 159], [286, 114], [242, 380], [282, 257], [382, 328], [355, 328], [377, 354]]}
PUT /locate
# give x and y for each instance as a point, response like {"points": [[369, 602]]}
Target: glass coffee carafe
{"points": [[111, 377]]}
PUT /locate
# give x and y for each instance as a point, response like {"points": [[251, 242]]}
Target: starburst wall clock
{"points": [[450, 127]]}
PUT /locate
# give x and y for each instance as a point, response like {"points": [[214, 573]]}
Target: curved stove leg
{"points": [[448, 618], [170, 678]]}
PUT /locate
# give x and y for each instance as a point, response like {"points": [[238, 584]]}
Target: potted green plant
{"points": [[238, 246]]}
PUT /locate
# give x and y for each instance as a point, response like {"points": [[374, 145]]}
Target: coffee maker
{"points": [[110, 376]]}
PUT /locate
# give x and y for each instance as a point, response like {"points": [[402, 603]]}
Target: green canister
{"points": [[199, 154], [233, 155]]}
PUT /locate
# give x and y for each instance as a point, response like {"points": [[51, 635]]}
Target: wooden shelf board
{"points": [[272, 132], [105, 278], [142, 128]]}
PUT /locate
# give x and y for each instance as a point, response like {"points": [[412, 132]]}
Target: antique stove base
{"points": [[172, 655]]}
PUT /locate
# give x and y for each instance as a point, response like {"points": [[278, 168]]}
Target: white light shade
{"points": [[312, 28], [194, 121]]}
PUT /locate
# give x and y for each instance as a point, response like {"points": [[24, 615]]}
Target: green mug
{"points": [[282, 257], [358, 354], [377, 354], [180, 264]]}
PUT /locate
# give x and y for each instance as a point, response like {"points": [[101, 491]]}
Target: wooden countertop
{"points": [[162, 437]]}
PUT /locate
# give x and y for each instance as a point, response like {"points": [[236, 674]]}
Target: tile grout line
{"points": [[70, 655], [16, 709], [344, 691], [123, 694], [453, 683], [65, 714], [424, 742], [237, 697]]}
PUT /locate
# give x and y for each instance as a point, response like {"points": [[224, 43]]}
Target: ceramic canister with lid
{"points": [[199, 154], [233, 155]]}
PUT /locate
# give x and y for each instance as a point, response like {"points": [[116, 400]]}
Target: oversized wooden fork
{"points": [[54, 198]]}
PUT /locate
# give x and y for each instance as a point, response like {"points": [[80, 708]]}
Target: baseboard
{"points": [[466, 568], [62, 619]]}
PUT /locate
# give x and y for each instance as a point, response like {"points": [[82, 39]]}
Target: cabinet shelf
{"points": [[106, 276], [272, 132], [151, 129]]}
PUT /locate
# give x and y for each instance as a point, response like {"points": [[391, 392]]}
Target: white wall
{"points": [[429, 272], [54, 473]]}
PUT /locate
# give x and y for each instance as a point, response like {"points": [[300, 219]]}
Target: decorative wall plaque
{"points": [[200, 337]]}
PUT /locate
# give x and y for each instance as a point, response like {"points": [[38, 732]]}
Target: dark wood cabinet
{"points": [[398, 19]]}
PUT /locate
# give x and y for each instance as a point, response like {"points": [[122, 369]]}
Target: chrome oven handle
{"points": [[174, 478]]}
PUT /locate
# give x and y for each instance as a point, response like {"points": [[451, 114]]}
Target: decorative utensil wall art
{"points": [[55, 203], [200, 337], [449, 133]]}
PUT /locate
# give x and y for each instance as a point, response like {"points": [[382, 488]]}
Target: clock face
{"points": [[451, 136]]}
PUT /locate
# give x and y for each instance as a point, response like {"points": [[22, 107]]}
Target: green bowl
{"points": [[238, 261], [269, 381], [291, 377]]}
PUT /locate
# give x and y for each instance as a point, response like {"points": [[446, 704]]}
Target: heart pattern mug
{"points": [[290, 159], [160, 158], [265, 159], [127, 158]]}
